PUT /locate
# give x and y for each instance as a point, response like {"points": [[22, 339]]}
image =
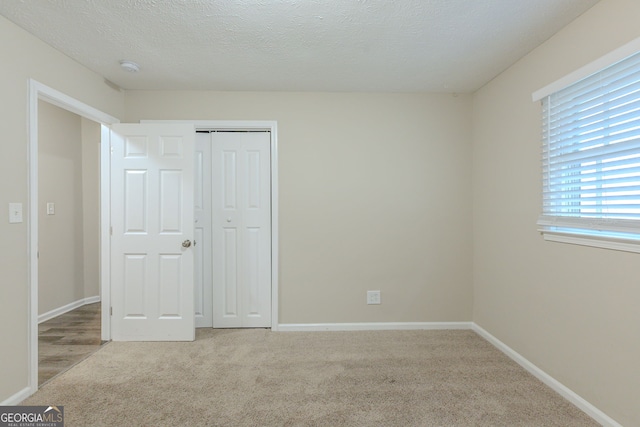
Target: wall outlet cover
{"points": [[373, 297], [15, 213]]}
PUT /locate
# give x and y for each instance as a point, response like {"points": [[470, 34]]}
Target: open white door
{"points": [[152, 219]]}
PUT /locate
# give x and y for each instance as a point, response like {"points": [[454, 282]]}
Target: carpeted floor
{"points": [[255, 377]]}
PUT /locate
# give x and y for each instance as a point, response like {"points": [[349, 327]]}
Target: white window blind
{"points": [[591, 155]]}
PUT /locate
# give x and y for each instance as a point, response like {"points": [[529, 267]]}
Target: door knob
{"points": [[186, 243]]}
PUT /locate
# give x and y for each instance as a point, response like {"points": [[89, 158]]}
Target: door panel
{"points": [[171, 205], [229, 180], [135, 193], [152, 215], [229, 273], [170, 286], [135, 283], [202, 249], [241, 211], [253, 268]]}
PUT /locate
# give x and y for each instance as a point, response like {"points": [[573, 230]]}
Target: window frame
{"points": [[553, 228]]}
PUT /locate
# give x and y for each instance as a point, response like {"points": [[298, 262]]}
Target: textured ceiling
{"points": [[297, 45]]}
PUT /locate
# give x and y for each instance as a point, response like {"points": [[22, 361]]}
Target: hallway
{"points": [[67, 339]]}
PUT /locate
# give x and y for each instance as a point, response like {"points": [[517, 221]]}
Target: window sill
{"points": [[604, 243]]}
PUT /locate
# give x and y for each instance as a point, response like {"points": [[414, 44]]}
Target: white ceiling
{"points": [[297, 45]]}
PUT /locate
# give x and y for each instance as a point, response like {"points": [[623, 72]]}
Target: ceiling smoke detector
{"points": [[129, 66]]}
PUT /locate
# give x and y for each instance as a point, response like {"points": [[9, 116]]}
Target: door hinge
{"points": [[111, 311], [111, 231]]}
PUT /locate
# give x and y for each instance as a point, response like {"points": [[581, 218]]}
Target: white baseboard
{"points": [[557, 386], [66, 308], [371, 326], [17, 398]]}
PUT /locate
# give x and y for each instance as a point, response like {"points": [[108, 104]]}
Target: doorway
{"points": [[233, 228], [204, 248], [39, 92], [69, 239], [152, 202]]}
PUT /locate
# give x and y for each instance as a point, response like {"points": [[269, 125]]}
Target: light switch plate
{"points": [[51, 208], [15, 213]]}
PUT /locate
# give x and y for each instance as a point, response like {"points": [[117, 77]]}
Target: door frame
{"points": [[37, 92], [253, 125]]}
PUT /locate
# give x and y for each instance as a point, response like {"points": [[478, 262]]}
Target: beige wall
{"points": [[60, 263], [69, 176], [24, 57], [571, 310], [91, 206], [375, 194]]}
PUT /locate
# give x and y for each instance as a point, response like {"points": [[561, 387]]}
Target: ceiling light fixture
{"points": [[129, 66]]}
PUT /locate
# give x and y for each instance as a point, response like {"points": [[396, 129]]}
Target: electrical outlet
{"points": [[373, 297], [15, 213]]}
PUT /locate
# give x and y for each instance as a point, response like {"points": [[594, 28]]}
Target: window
{"points": [[591, 157]]}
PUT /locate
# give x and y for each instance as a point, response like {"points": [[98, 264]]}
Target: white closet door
{"points": [[152, 232], [241, 229], [202, 250]]}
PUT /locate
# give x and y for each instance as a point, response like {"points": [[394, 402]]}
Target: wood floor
{"points": [[67, 339]]}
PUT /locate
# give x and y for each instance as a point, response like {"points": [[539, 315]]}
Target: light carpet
{"points": [[255, 377]]}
